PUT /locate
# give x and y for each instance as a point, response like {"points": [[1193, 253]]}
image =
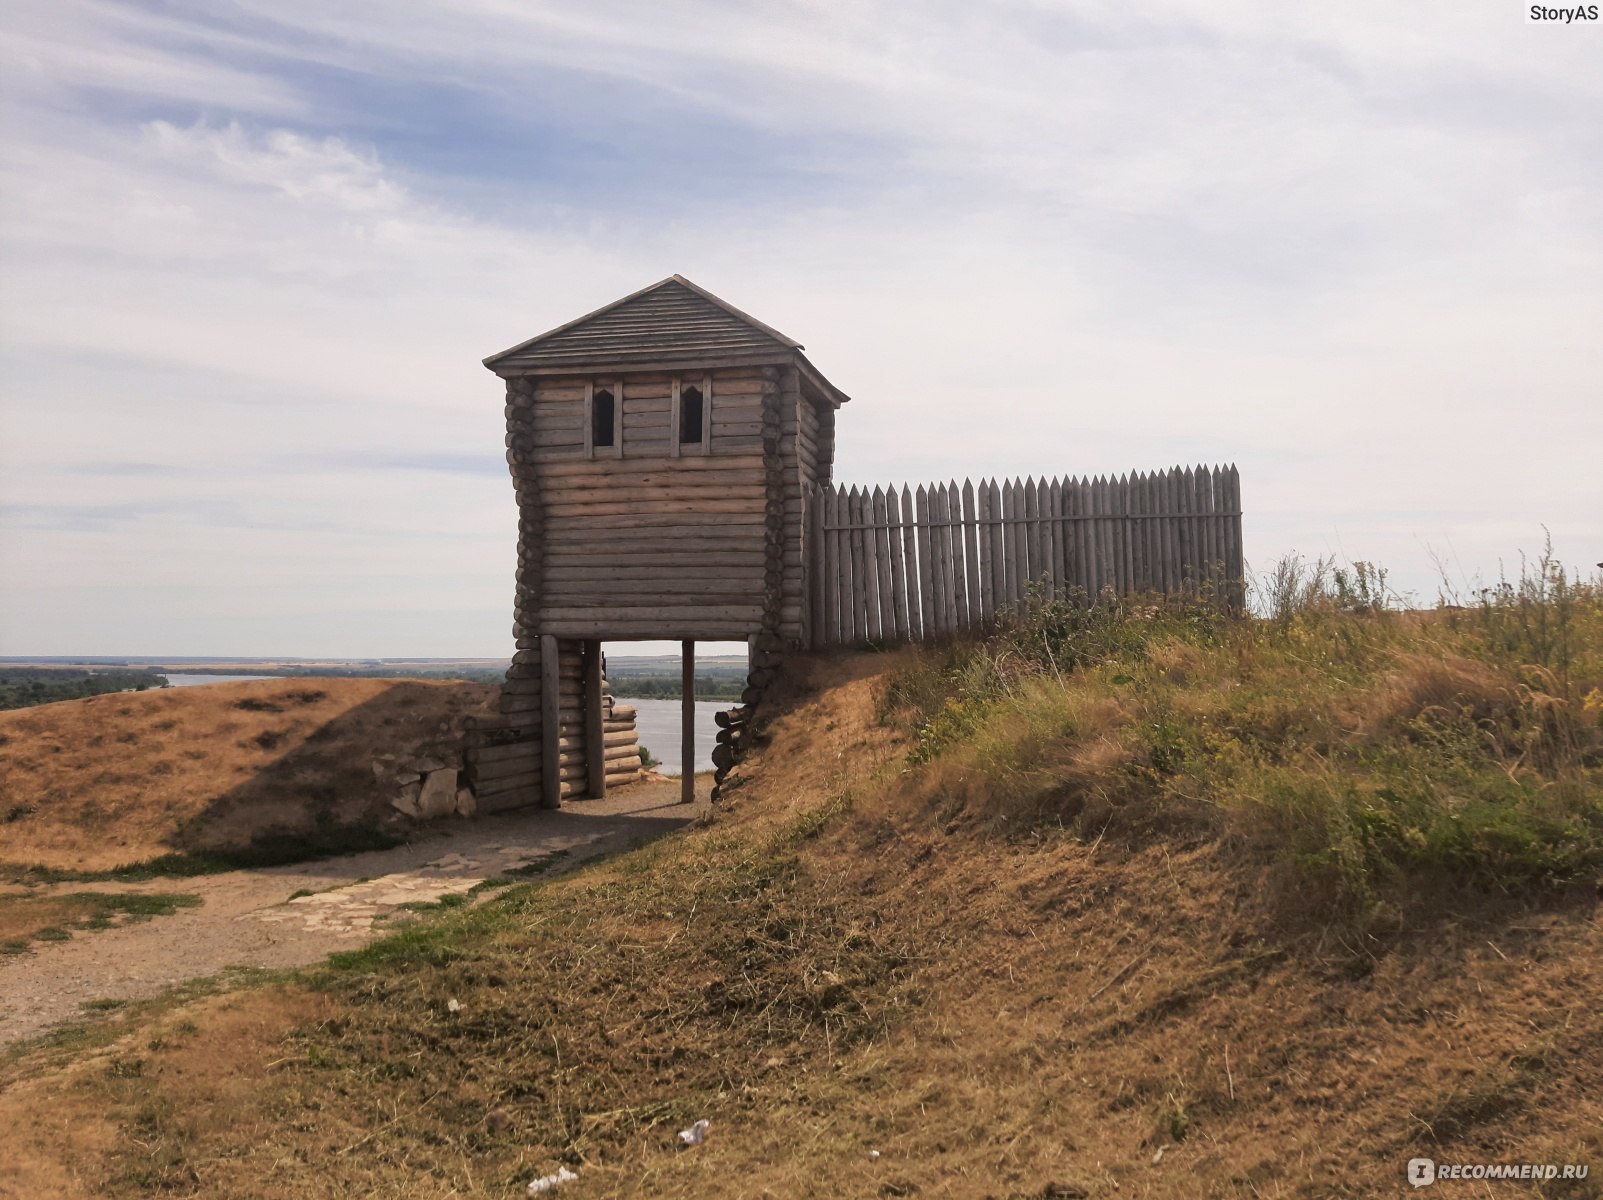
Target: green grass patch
{"points": [[56, 918]]}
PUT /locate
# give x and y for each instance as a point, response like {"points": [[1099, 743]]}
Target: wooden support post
{"points": [[594, 722], [550, 724], [687, 741]]}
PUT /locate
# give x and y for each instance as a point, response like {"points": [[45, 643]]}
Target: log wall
{"points": [[909, 564], [651, 539], [651, 543]]}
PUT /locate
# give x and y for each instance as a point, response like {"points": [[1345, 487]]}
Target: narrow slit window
{"points": [[692, 415], [603, 418]]}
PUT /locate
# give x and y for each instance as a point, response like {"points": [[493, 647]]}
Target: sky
{"points": [[252, 253]]}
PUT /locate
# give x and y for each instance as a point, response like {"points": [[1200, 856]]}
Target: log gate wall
{"points": [[941, 559], [672, 461]]}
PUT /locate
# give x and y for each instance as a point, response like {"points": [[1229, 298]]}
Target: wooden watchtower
{"points": [[662, 449]]}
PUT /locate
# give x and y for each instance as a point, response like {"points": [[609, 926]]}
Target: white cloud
{"points": [[1358, 253]]}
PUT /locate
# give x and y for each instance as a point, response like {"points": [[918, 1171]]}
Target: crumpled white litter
{"points": [[550, 1183], [873, 1156], [695, 1135], [452, 1005]]}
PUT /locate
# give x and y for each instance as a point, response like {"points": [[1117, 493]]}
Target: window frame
{"points": [[591, 450], [676, 448]]}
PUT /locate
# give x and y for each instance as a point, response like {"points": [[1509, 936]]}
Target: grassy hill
{"points": [[232, 769], [1140, 903]]}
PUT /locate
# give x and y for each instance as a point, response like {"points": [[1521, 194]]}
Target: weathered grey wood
{"points": [[860, 584], [982, 529], [687, 722], [1115, 534], [1094, 531], [837, 567], [1126, 556], [1047, 572], [1157, 539], [1199, 502], [1074, 533], [843, 545], [941, 552], [511, 791], [926, 565], [896, 555], [733, 468], [550, 687], [952, 510], [1002, 544], [813, 551], [1234, 562], [882, 556], [1020, 561], [515, 768], [1007, 602], [506, 751], [1111, 532], [1062, 549], [1141, 529], [998, 540], [661, 525], [872, 615], [594, 720], [1212, 540], [1032, 535], [916, 618], [971, 557], [1187, 551], [606, 628]]}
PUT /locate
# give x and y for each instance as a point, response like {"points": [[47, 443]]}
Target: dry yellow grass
{"points": [[93, 784], [845, 961]]}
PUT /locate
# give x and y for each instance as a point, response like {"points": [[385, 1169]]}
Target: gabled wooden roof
{"points": [[671, 323]]}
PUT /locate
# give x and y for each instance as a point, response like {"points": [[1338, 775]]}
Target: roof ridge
{"points": [[698, 290]]}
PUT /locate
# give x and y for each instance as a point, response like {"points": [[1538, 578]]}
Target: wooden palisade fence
{"points": [[935, 561]]}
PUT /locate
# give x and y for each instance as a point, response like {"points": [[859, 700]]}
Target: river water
{"points": [[657, 724], [178, 679]]}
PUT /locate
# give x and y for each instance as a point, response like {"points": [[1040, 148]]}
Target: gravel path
{"points": [[247, 919]]}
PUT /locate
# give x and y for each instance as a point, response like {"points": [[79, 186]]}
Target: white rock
{"points": [[439, 794], [695, 1135], [424, 765], [550, 1183], [407, 800], [466, 803]]}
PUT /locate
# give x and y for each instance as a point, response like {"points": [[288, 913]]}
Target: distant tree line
{"points": [[23, 687], [667, 687]]}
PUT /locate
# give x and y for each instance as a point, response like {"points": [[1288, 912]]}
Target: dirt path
{"points": [[247, 919]]}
